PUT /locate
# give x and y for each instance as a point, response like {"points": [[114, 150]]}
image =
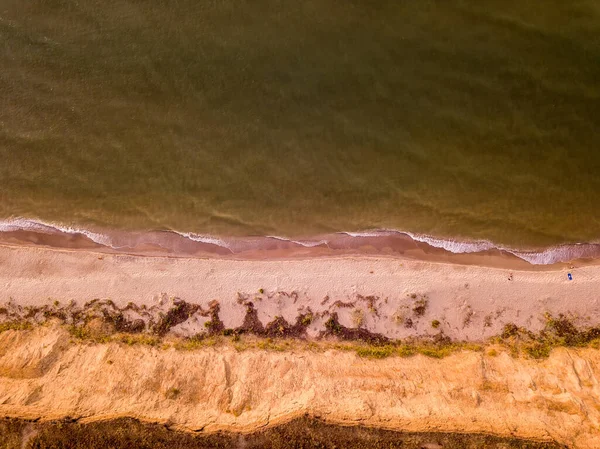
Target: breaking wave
{"points": [[189, 242], [305, 243], [204, 239], [24, 224]]}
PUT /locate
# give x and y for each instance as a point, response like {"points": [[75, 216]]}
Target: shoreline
{"points": [[378, 242], [406, 249]]}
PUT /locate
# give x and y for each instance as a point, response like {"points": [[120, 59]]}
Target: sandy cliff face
{"points": [[43, 374]]}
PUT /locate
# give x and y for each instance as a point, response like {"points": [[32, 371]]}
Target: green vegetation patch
{"points": [[15, 325], [558, 331]]}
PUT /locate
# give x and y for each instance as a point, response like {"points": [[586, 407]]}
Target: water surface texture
{"points": [[462, 119]]}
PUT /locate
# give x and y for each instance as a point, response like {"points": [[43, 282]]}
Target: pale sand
{"points": [[466, 299], [44, 376]]}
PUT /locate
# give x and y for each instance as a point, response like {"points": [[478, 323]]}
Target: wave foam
{"points": [[305, 243], [204, 239], [372, 233], [547, 256], [562, 253], [454, 246], [23, 224]]}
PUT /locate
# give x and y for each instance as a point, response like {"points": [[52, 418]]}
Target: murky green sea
{"points": [[455, 118]]}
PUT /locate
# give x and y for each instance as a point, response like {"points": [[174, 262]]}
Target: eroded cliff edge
{"points": [[45, 374]]}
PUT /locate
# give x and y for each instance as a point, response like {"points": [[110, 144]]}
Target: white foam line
{"points": [[305, 243], [453, 246], [373, 233], [555, 254], [23, 224], [561, 253], [205, 239], [548, 256]]}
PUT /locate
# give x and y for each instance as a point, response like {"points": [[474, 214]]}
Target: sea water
{"points": [[473, 124]]}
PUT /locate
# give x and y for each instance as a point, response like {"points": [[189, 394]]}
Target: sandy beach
{"points": [[379, 294]]}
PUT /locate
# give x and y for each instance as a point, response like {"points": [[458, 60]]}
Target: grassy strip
{"points": [[250, 342], [558, 332], [15, 325], [521, 344]]}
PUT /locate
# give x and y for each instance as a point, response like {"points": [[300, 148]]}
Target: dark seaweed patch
{"points": [[251, 322], [334, 328], [179, 313], [214, 326]]}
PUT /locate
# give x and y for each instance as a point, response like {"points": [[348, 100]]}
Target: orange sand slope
{"points": [[43, 375]]}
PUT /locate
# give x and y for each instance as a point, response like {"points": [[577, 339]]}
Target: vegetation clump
{"points": [[399, 316], [121, 324], [251, 322], [334, 328], [305, 319], [358, 317], [279, 327], [214, 326], [179, 313], [557, 332], [15, 325], [376, 352], [138, 339], [420, 306]]}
